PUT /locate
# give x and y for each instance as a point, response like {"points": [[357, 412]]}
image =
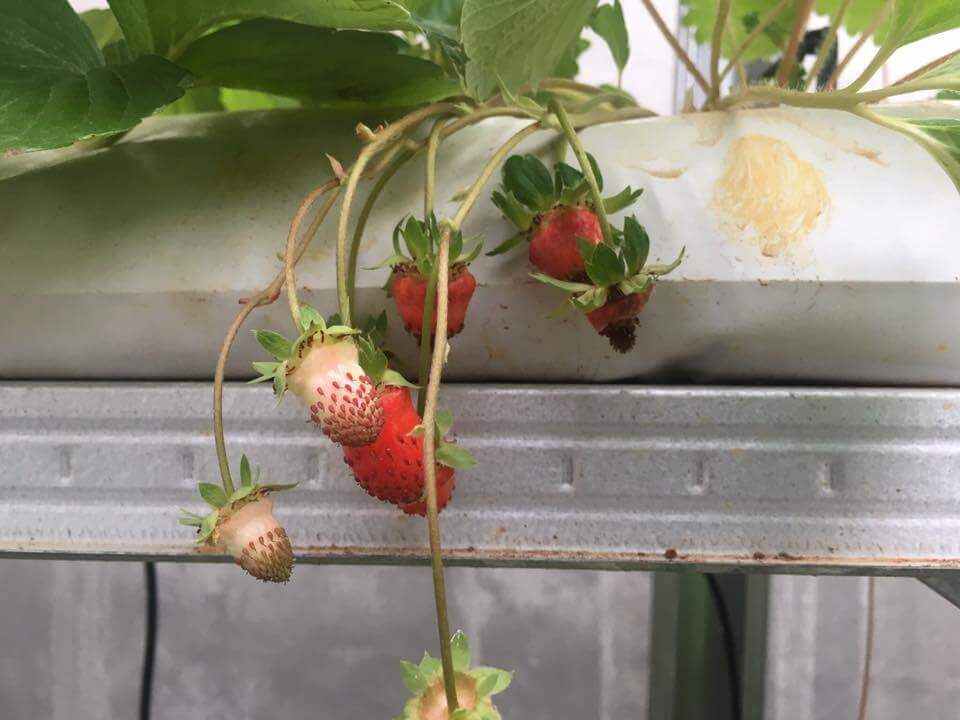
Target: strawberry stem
{"points": [[264, 297], [585, 167], [430, 467], [430, 179], [387, 136], [426, 332], [289, 257]]}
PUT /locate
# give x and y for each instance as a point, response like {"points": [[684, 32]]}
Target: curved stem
{"points": [[762, 25], [264, 297], [288, 258], [385, 137], [492, 164], [430, 169], [920, 72], [827, 45], [430, 469], [677, 49], [586, 167], [716, 45], [607, 116], [836, 100]]}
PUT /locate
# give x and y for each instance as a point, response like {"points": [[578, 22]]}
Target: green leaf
{"points": [[276, 487], [529, 181], [246, 477], [213, 494], [509, 244], [55, 87], [326, 68], [571, 287], [607, 22], [569, 64], [208, 525], [415, 236], [460, 649], [413, 678], [941, 138], [622, 200], [280, 383], [744, 14], [392, 377], [103, 25], [168, 27], [234, 100], [605, 267], [586, 248], [914, 20], [517, 42], [501, 680], [948, 95], [275, 344], [636, 245], [195, 100], [455, 456]]}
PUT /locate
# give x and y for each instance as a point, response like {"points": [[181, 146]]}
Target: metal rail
{"points": [[854, 481]]}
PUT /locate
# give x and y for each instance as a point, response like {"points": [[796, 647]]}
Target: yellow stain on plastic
{"points": [[768, 195]]}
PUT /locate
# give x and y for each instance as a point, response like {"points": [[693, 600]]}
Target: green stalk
{"points": [[716, 45], [430, 470], [789, 58], [836, 100], [827, 45], [425, 337], [585, 167], [889, 46], [289, 260], [385, 137]]}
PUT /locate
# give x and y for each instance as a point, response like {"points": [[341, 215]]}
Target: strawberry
{"points": [[475, 687], [322, 367], [391, 468], [243, 525], [411, 274], [620, 283], [552, 213]]}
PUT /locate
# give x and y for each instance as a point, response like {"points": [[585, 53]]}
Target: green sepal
{"points": [[267, 371], [460, 650], [464, 714], [418, 430], [275, 487], [311, 320], [622, 200], [390, 261], [190, 518], [430, 665], [214, 495], [375, 328], [466, 257], [501, 680], [455, 456], [513, 210], [275, 344], [605, 266], [590, 300], [340, 331], [392, 377], [636, 245], [413, 678], [416, 238], [586, 248], [571, 287], [208, 525], [241, 492], [444, 422], [636, 284], [280, 382], [372, 359], [246, 477], [509, 244], [658, 270], [529, 181]]}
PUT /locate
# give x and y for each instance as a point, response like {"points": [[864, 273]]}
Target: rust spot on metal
{"points": [[759, 556], [787, 556], [670, 554]]}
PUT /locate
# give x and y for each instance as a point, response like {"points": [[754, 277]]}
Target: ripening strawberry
{"points": [[244, 526], [323, 369], [412, 271], [553, 212], [617, 319], [391, 468]]}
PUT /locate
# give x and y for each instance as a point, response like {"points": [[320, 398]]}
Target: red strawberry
{"points": [[617, 319], [553, 240], [410, 292], [391, 468]]}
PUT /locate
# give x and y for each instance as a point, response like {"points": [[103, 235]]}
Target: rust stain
{"points": [[942, 347], [670, 554], [768, 195], [759, 556]]}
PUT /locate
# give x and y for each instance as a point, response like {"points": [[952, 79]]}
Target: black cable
{"points": [[149, 640], [729, 645]]}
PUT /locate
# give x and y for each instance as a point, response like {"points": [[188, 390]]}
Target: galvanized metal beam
{"points": [[788, 480]]}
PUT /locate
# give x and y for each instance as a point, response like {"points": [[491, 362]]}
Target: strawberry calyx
{"points": [[527, 191], [475, 687], [617, 282], [243, 525], [422, 242]]}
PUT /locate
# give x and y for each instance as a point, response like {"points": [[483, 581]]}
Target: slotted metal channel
{"points": [[855, 481]]}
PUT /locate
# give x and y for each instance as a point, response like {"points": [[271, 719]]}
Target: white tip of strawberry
{"points": [[342, 399], [256, 540]]}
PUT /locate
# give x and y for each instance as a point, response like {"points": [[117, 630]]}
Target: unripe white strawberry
{"points": [[343, 401], [255, 539]]}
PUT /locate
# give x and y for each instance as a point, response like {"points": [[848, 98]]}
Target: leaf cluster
{"points": [[421, 242]]}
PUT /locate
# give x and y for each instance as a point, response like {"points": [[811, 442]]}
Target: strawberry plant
{"points": [[435, 67]]}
